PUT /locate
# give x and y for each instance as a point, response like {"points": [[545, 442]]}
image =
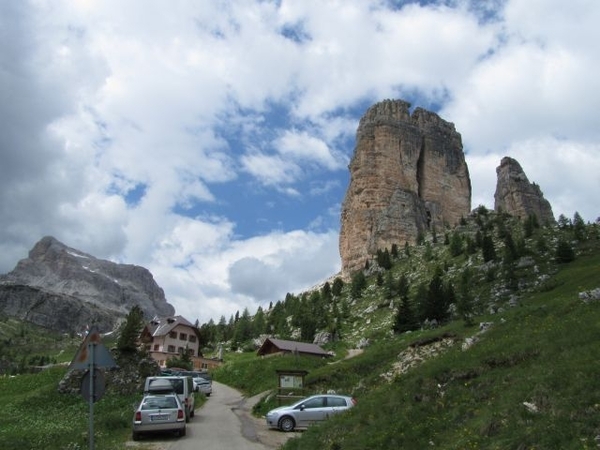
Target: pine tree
{"points": [[394, 251], [487, 248], [437, 299], [359, 282], [564, 251], [259, 323], [405, 318], [456, 244], [130, 331], [383, 259], [388, 286], [578, 226], [465, 302], [510, 249], [403, 286], [326, 293], [338, 285]]}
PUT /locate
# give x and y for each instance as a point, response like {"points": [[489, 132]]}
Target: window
{"points": [[173, 334], [317, 402], [192, 338], [156, 347], [182, 337], [335, 402], [190, 351], [171, 349], [180, 350]]}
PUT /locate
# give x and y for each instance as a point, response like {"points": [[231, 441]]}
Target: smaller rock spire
{"points": [[518, 197]]}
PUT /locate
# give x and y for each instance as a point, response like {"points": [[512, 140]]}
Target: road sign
{"points": [[91, 355], [102, 356], [97, 385]]}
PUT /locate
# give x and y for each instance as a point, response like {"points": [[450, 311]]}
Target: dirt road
{"points": [[225, 421]]}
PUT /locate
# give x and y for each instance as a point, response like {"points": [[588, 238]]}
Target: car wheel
{"points": [[286, 423]]}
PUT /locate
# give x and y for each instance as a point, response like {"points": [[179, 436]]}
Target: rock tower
{"points": [[408, 175], [518, 197]]}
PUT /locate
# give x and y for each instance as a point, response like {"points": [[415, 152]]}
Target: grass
{"points": [[35, 416], [531, 382]]}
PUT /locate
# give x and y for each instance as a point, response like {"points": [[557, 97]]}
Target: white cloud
{"points": [[231, 275], [271, 169], [159, 135], [300, 145]]}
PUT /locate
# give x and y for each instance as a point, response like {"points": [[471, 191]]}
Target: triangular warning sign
{"points": [[92, 351]]}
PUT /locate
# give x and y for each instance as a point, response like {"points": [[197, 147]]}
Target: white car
{"points": [[202, 385], [159, 413], [307, 411]]}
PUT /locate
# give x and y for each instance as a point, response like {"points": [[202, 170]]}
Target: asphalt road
{"points": [[223, 422]]}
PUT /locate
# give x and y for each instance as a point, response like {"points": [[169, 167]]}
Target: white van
{"points": [[183, 387]]}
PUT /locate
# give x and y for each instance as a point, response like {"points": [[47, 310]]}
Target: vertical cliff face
{"points": [[408, 175], [518, 197]]}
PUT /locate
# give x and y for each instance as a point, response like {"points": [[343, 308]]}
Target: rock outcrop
{"points": [[518, 197], [408, 175], [63, 289]]}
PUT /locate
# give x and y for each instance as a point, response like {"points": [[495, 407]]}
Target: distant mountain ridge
{"points": [[64, 289]]}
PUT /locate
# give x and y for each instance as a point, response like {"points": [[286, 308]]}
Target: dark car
{"points": [[307, 411], [159, 413]]}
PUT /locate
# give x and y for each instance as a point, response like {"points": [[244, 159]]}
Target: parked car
{"points": [[195, 374], [202, 380], [202, 385], [183, 387], [159, 413], [307, 411]]}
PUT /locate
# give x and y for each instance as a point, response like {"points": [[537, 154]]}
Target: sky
{"points": [[209, 141]]}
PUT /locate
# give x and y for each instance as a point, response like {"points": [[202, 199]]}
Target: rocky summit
{"points": [[408, 175], [518, 197], [65, 290]]}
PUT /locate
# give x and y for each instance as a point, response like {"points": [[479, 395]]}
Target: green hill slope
{"points": [[521, 373]]}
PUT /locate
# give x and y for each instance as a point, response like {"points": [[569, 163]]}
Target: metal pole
{"points": [[92, 393]]}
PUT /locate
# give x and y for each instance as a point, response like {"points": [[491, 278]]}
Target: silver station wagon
{"points": [[159, 413]]}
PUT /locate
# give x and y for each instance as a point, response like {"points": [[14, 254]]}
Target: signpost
{"points": [[91, 355]]}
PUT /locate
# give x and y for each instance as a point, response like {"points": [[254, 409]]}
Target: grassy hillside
{"points": [[35, 416], [528, 380], [531, 381]]}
